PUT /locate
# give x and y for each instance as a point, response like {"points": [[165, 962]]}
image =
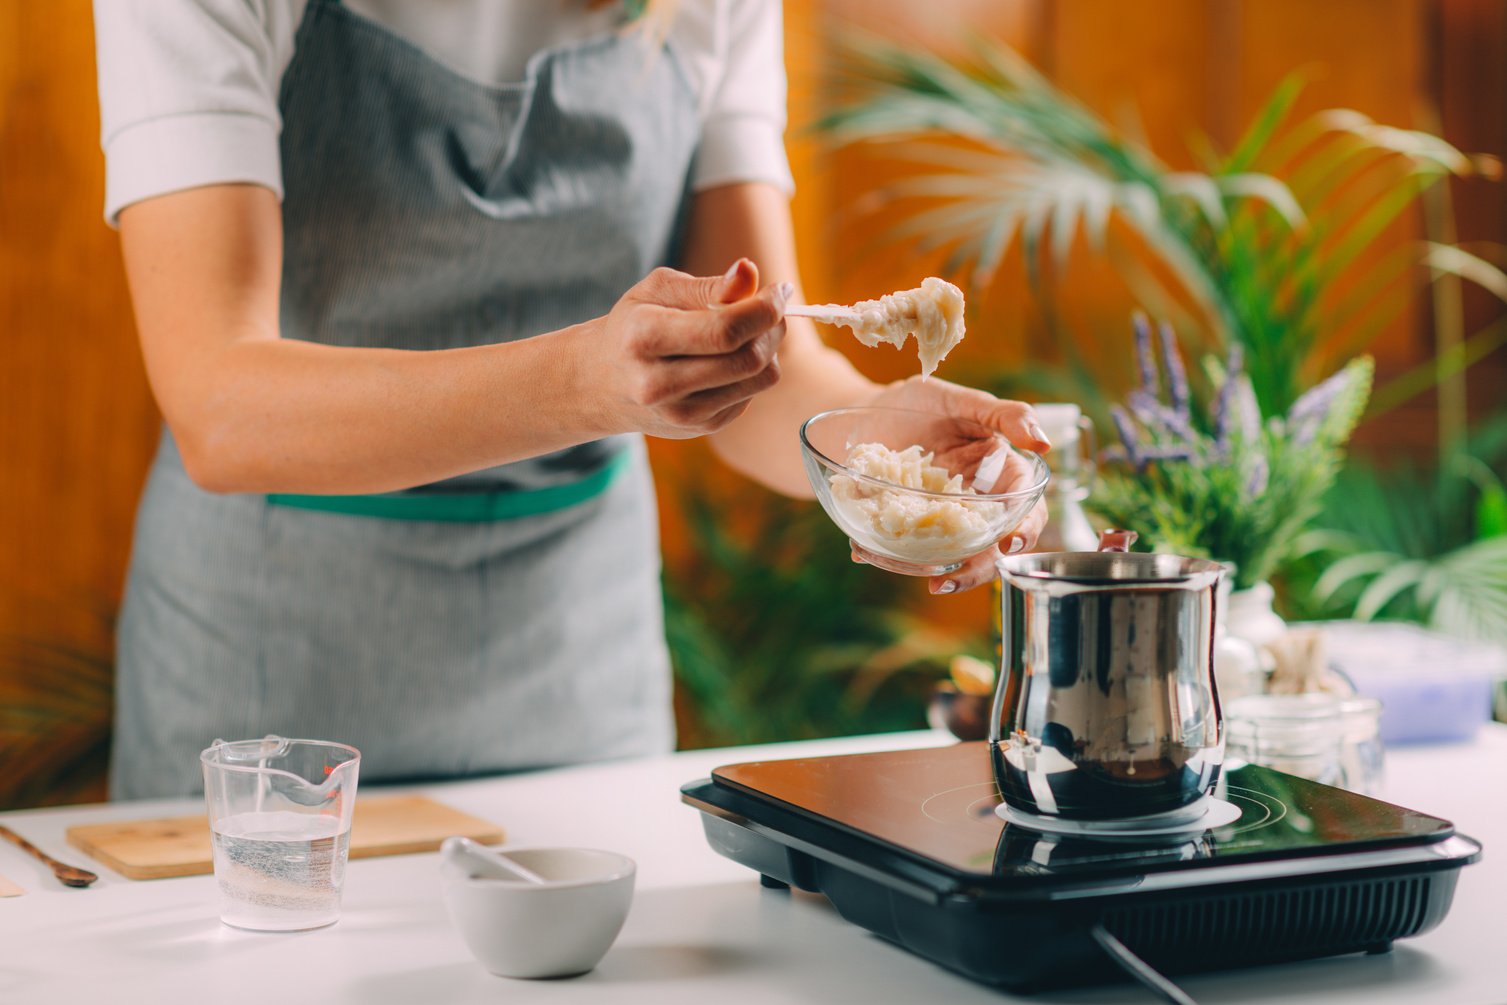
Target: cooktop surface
{"points": [[938, 805]]}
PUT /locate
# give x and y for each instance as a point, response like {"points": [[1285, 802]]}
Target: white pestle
{"points": [[468, 854]]}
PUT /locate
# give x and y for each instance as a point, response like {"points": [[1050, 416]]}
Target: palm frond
{"points": [[1456, 261], [1271, 116]]}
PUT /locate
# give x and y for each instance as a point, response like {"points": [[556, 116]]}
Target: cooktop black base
{"points": [[907, 845]]}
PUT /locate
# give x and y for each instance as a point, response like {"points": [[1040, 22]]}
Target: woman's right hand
{"points": [[681, 356]]}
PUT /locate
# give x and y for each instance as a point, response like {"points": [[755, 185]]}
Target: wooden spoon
{"points": [[68, 875]]}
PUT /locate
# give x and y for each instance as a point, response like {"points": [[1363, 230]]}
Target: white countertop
{"points": [[701, 929]]}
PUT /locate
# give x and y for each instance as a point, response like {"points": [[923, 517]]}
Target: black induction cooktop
{"points": [[908, 845]]}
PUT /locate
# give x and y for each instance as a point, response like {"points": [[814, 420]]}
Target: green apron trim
{"points": [[464, 507]]}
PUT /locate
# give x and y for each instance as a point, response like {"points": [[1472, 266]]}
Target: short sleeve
{"points": [[188, 94], [743, 131]]}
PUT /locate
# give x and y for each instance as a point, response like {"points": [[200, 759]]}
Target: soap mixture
{"points": [[932, 312], [919, 528]]}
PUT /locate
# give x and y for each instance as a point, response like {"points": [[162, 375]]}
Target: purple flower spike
{"points": [[1143, 406], [1144, 357], [1256, 483], [1177, 377], [1154, 414], [1167, 454], [1126, 428], [1247, 408], [1223, 400], [1222, 414], [1308, 412]]}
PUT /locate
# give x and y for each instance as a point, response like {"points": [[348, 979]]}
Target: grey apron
{"points": [[513, 619]]}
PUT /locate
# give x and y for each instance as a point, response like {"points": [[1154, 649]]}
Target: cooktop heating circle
{"points": [[1215, 813]]}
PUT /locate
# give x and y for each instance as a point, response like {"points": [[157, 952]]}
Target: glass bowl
{"points": [[912, 530]]}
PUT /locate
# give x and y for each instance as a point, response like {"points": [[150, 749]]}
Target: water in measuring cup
{"points": [[281, 871]]}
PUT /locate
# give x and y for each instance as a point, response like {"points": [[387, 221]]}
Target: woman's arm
{"points": [[253, 412], [754, 220]]}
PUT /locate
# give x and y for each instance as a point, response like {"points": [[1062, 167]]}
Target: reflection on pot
{"points": [[1022, 850]]}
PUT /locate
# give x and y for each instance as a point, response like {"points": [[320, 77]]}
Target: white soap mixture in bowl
{"points": [[927, 527], [919, 493]]}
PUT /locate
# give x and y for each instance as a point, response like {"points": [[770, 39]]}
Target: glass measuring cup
{"points": [[280, 821]]}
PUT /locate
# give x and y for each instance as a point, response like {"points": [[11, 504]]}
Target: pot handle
{"points": [[1117, 540]]}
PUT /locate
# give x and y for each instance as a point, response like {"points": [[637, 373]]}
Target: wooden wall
{"points": [[77, 424]]}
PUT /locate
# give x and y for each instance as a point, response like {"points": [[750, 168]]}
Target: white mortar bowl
{"points": [[560, 928]]}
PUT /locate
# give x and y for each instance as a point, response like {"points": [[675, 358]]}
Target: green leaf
{"points": [[1202, 191], [1491, 513], [1426, 376], [1349, 569], [1448, 258], [1266, 189], [1382, 589], [1261, 129]]}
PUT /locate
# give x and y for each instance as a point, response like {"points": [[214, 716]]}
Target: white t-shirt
{"points": [[188, 88]]}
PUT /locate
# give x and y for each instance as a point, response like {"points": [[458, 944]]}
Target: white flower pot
{"points": [[1249, 616], [1238, 668]]}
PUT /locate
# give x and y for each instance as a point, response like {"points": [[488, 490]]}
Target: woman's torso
{"points": [[425, 210]]}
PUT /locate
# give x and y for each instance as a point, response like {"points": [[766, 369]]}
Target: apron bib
{"points": [[506, 619]]}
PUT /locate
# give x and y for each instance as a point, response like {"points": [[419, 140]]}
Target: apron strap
{"points": [[464, 507]]}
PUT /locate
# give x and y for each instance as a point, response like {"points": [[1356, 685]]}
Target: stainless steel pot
{"points": [[1106, 704]]}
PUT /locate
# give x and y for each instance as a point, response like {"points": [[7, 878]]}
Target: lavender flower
{"points": [[1227, 481], [1256, 480], [1143, 354], [1177, 377], [1309, 411], [1126, 428], [1248, 410], [1173, 453], [1223, 399], [1153, 413]]}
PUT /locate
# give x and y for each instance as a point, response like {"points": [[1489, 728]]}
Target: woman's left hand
{"points": [[1017, 422]]}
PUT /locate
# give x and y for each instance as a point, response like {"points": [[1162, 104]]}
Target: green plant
{"points": [[776, 634], [1407, 543], [56, 702], [1226, 485], [1264, 248]]}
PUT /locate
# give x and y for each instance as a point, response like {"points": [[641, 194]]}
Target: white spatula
{"points": [[831, 314]]}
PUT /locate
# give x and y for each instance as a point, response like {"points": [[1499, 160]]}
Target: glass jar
{"points": [[1072, 465], [1329, 739]]}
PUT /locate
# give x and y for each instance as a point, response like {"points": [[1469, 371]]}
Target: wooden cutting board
{"points": [[381, 825]]}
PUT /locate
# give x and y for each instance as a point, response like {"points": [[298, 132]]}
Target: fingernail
{"points": [[1016, 544], [732, 272], [1038, 434], [948, 586], [782, 294]]}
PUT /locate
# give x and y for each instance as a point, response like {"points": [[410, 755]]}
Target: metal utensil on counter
{"points": [[68, 875]]}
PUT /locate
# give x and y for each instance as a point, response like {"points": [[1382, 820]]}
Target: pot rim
{"points": [[1190, 573]]}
